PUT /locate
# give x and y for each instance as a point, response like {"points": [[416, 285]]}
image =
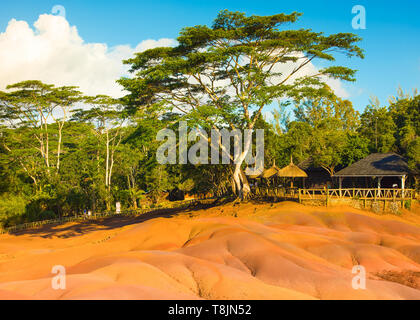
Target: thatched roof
{"points": [[292, 171], [254, 176], [270, 172], [377, 164]]}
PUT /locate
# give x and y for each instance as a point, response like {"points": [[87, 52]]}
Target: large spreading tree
{"points": [[224, 75]]}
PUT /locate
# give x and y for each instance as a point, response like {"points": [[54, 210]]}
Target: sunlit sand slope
{"points": [[248, 251]]}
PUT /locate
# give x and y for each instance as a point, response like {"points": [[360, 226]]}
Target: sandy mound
{"points": [[248, 251]]}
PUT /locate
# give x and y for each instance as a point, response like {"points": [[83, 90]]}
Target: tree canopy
{"points": [[224, 75], [62, 152]]}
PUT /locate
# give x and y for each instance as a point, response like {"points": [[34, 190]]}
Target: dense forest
{"points": [[62, 152]]}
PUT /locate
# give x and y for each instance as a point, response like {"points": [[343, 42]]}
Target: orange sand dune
{"points": [[247, 251]]}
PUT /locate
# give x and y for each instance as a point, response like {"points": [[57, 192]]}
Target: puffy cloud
{"points": [[53, 52], [309, 70]]}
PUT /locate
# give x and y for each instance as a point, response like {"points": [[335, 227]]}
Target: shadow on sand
{"points": [[75, 229]]}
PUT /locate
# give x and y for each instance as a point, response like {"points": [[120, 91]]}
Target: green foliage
{"points": [[405, 111], [378, 126], [297, 142], [58, 160], [356, 148], [328, 145], [233, 64], [224, 75], [11, 207]]}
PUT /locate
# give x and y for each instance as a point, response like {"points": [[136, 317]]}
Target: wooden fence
{"points": [[375, 194], [326, 195], [276, 192], [37, 224]]}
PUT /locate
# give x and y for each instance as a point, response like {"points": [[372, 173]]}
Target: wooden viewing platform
{"points": [[364, 195], [358, 193], [326, 195]]}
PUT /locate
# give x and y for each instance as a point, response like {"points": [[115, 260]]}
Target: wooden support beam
{"points": [[340, 183], [379, 186]]}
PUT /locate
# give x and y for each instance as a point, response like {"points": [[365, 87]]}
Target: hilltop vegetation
{"points": [[62, 152]]}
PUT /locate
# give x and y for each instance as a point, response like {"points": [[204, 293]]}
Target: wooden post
{"points": [[379, 186], [327, 197], [340, 182], [300, 199], [403, 178]]}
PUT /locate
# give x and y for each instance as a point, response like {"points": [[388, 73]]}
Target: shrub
{"points": [[12, 208], [376, 207], [394, 208]]}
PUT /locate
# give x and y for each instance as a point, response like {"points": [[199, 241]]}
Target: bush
{"points": [[16, 209], [394, 208], [12, 208], [376, 207]]}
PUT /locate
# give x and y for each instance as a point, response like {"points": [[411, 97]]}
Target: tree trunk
{"points": [[237, 181], [60, 137], [243, 190], [107, 186], [107, 159], [240, 183]]}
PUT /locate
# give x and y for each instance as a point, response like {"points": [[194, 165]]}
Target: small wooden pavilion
{"points": [[390, 170], [271, 175]]}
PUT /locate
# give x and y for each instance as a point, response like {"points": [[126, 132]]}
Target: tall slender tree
{"points": [[38, 112], [108, 118]]}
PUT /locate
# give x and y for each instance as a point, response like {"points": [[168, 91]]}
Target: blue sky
{"points": [[391, 40]]}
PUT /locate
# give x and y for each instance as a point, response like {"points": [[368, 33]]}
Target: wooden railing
{"points": [[358, 193], [278, 192], [36, 224], [325, 195]]}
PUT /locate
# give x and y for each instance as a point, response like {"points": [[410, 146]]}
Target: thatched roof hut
{"points": [[380, 166], [254, 176], [271, 172], [377, 165], [292, 171]]}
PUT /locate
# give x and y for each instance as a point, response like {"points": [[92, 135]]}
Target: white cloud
{"points": [[53, 52], [309, 70]]}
